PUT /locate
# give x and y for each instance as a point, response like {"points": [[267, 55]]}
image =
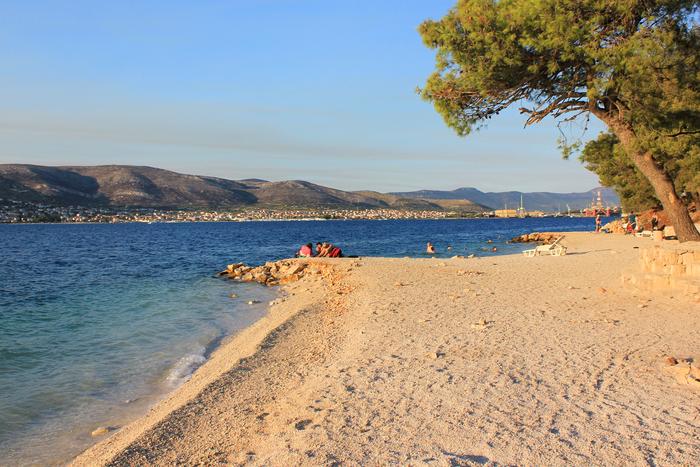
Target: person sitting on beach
{"points": [[323, 250], [430, 249], [328, 250], [334, 252], [306, 251]]}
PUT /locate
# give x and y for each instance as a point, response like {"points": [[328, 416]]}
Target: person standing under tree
{"points": [[654, 221]]}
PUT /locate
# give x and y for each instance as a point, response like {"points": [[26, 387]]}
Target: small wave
{"points": [[183, 369]]}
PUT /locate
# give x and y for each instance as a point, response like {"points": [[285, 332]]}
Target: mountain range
{"points": [[539, 201], [137, 186]]}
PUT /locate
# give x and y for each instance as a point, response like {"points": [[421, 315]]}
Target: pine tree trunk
{"points": [[660, 181]]}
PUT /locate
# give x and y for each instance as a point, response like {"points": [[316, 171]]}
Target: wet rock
{"points": [[100, 431], [269, 274]]}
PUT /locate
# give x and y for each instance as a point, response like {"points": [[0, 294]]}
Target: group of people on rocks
{"points": [[630, 223], [323, 250]]}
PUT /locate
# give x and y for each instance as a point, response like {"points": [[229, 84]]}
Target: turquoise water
{"points": [[98, 321]]}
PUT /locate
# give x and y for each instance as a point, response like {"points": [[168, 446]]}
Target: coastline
{"points": [[233, 350], [496, 359], [293, 219]]}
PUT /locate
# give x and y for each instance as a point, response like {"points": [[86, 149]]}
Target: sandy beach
{"points": [[493, 360]]}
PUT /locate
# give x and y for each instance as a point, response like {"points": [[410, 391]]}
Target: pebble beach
{"points": [[464, 361]]}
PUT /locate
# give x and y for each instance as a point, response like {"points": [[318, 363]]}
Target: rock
{"points": [[302, 424], [684, 373], [289, 279], [270, 273], [99, 431], [297, 268], [260, 277], [482, 324], [670, 361], [695, 370]]}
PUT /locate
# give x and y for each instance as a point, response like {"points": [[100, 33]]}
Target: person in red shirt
{"points": [[305, 251]]}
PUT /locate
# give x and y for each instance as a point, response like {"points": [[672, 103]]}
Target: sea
{"points": [[100, 321]]}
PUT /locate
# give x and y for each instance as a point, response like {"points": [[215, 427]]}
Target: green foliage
{"points": [[606, 158], [559, 57], [632, 63]]}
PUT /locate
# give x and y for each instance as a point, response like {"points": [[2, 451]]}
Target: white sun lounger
{"points": [[553, 249]]}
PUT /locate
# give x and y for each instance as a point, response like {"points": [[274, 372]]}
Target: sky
{"points": [[322, 91]]}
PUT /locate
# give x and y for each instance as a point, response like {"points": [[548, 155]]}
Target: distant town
{"points": [[17, 212]]}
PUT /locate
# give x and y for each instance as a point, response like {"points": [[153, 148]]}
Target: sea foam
{"points": [[185, 367]]}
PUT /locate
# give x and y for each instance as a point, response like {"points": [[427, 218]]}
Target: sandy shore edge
{"points": [[231, 353]]}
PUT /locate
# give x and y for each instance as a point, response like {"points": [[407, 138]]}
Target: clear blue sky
{"points": [[277, 89]]}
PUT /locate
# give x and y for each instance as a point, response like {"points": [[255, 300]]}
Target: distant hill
{"points": [[116, 185], [398, 202], [537, 201], [136, 186]]}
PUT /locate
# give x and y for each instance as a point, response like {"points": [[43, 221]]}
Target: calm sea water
{"points": [[98, 321]]}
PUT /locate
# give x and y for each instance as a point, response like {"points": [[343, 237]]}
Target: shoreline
{"points": [[230, 351], [311, 219], [57, 441], [372, 359]]}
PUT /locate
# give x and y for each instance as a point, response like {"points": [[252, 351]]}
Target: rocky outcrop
{"points": [[686, 372], [271, 273], [668, 266], [543, 237], [615, 227]]}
